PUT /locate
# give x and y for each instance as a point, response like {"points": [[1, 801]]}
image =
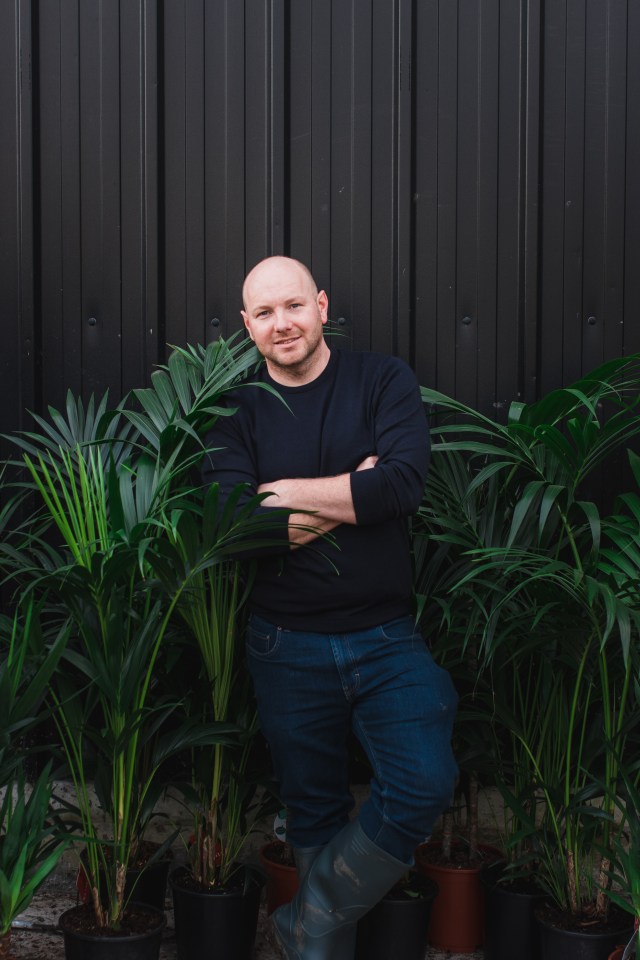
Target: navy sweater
{"points": [[361, 404]]}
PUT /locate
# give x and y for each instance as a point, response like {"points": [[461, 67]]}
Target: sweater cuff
{"points": [[366, 493]]}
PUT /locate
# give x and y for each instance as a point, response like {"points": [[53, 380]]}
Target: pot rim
{"points": [[125, 938], [257, 876]]}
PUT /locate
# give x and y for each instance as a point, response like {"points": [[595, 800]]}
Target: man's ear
{"points": [[323, 305], [247, 324]]}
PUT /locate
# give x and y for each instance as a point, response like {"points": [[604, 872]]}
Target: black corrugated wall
{"points": [[461, 175]]}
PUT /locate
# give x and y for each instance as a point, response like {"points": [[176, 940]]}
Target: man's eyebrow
{"points": [[297, 298]]}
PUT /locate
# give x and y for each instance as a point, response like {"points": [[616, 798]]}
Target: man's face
{"points": [[284, 315]]}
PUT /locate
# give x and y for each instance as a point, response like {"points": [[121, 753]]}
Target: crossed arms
{"points": [[328, 500]]}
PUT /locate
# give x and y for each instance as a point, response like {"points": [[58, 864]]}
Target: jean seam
{"points": [[360, 730]]}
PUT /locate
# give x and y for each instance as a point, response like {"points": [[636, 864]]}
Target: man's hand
{"points": [[327, 499]]}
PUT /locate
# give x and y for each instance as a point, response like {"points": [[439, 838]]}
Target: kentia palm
{"points": [[183, 400], [625, 874], [555, 584], [30, 843], [83, 554], [224, 795]]}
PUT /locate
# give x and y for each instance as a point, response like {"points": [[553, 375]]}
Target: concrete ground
{"points": [[35, 937]]}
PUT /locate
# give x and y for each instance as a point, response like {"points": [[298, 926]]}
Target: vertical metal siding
{"points": [[139, 191], [16, 217], [631, 149], [459, 174], [224, 166], [100, 184]]}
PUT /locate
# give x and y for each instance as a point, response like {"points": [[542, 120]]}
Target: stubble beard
{"points": [[297, 369]]}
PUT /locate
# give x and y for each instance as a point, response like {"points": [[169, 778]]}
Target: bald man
{"points": [[332, 645]]}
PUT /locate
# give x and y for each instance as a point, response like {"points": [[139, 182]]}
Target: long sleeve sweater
{"points": [[362, 404]]}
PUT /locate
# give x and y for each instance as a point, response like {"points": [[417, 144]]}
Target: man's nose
{"points": [[282, 320]]}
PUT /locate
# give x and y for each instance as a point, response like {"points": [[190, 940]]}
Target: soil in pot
{"points": [[510, 927], [397, 926], [215, 923], [457, 915], [565, 937], [138, 937], [276, 859]]}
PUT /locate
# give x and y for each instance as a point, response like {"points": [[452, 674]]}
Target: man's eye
{"points": [[294, 306]]}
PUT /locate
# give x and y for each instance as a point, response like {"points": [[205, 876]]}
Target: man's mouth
{"points": [[285, 343]]}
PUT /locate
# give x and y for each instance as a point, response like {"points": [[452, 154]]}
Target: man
{"points": [[331, 642]]}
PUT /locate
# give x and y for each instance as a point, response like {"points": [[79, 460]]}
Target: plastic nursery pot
{"points": [[558, 943], [282, 878], [216, 924], [137, 942], [457, 915], [510, 926], [397, 926]]}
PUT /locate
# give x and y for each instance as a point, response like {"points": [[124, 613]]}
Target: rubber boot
{"points": [[346, 879], [304, 857]]}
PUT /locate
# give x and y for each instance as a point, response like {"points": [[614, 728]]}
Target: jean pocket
{"points": [[404, 628], [262, 638]]}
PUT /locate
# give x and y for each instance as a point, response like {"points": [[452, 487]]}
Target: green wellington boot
{"points": [[346, 879]]}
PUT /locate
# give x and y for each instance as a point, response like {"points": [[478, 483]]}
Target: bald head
{"points": [[273, 268], [284, 315]]}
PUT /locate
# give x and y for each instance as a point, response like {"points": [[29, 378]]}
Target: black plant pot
{"points": [[149, 885], [511, 929], [216, 925], [397, 926], [559, 944], [80, 945]]}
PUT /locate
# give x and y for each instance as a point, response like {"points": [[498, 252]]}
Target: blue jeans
{"points": [[313, 688]]}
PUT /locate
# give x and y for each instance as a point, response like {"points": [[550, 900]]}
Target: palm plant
{"points": [[225, 800], [83, 553], [212, 587], [30, 844], [530, 573], [625, 874], [93, 579]]}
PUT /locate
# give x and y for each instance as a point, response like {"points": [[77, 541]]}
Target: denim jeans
{"points": [[313, 688]]}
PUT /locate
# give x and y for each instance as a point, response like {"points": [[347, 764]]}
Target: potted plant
{"points": [[82, 555], [278, 863], [397, 926], [199, 569], [552, 580], [30, 842], [457, 515], [624, 890]]}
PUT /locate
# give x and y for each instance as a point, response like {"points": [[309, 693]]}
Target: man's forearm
{"points": [[326, 497], [328, 501], [306, 527]]}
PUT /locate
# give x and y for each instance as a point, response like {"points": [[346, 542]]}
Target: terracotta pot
{"points": [[282, 879], [457, 915]]}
